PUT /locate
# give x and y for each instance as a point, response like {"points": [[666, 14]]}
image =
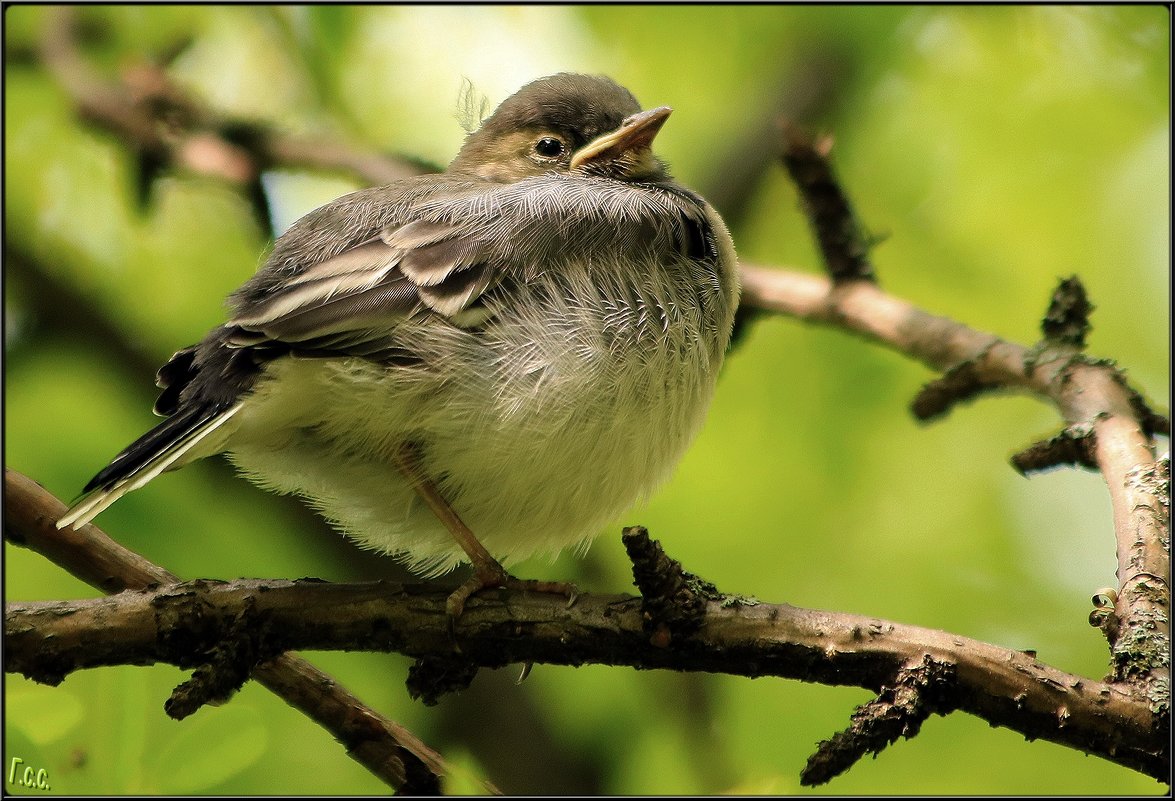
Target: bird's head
{"points": [[584, 125]]}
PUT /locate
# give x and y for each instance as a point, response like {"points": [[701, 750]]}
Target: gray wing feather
{"points": [[350, 302]]}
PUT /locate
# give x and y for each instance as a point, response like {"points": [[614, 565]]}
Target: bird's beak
{"points": [[635, 133]]}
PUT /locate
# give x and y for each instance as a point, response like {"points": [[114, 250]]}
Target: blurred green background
{"points": [[999, 148]]}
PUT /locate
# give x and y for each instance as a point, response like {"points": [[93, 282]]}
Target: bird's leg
{"points": [[487, 572]]}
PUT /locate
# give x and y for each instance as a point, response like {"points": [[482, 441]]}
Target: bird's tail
{"points": [[171, 444]]}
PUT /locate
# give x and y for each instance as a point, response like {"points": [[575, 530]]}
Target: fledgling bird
{"points": [[480, 365]]}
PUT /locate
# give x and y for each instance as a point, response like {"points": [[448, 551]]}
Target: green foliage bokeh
{"points": [[997, 148]]}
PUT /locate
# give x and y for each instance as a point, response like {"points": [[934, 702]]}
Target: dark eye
{"points": [[548, 147]]}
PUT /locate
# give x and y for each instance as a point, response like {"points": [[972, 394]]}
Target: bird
{"points": [[478, 365]]}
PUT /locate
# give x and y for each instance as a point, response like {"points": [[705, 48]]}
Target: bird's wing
{"points": [[350, 303], [344, 294]]}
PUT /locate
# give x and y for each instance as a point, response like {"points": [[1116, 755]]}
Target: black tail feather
{"points": [[149, 447]]}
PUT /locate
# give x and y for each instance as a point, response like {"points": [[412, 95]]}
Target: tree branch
{"points": [[387, 749], [843, 242], [1109, 426], [898, 711], [168, 128], [188, 624], [1090, 394]]}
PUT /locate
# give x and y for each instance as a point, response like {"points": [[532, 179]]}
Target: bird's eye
{"points": [[548, 147]]}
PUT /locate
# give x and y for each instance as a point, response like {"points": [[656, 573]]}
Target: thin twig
{"points": [[844, 243], [898, 711]]}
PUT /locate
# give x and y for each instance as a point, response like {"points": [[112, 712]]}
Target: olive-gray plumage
{"points": [[543, 322]]}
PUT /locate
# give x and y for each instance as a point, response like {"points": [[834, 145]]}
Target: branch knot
{"points": [[674, 599]]}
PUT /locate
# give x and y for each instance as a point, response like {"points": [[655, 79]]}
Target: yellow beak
{"points": [[636, 132]]}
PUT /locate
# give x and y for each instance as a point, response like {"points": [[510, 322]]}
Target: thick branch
{"points": [[183, 624], [384, 747]]}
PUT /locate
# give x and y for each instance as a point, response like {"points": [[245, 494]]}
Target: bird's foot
{"points": [[493, 575]]}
